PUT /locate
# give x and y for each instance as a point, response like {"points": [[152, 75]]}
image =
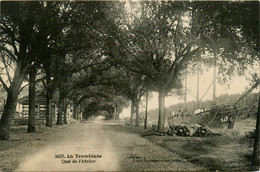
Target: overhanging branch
{"points": [[4, 84]]}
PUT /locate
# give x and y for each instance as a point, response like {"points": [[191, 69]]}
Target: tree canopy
{"points": [[99, 52]]}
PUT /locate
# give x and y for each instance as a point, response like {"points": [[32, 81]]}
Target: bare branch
{"points": [[184, 59], [44, 83], [41, 79], [4, 84], [6, 69], [21, 89], [8, 31], [142, 91], [13, 57]]}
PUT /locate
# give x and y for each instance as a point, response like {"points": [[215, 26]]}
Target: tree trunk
{"points": [[185, 90], [78, 112], [214, 78], [146, 108], [132, 112], [61, 106], [110, 111], [65, 112], [116, 113], [31, 121], [49, 101], [231, 121], [65, 121], [49, 110], [256, 150], [10, 105], [60, 111], [161, 119], [137, 118], [198, 85], [75, 110]]}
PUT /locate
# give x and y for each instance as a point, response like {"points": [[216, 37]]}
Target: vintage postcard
{"points": [[129, 85]]}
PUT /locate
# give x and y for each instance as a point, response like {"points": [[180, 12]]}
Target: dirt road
{"points": [[99, 146]]}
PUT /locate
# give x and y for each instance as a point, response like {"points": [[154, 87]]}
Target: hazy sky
{"points": [[236, 85]]}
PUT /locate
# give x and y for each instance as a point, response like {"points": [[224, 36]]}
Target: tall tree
{"points": [[160, 42], [26, 32], [17, 28], [146, 105], [132, 86], [32, 82]]}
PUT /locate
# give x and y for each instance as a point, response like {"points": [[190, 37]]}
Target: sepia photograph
{"points": [[129, 85]]}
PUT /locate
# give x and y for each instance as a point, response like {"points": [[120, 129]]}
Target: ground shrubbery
{"points": [[20, 121]]}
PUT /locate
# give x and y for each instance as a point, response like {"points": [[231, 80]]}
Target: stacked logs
{"points": [[182, 130], [201, 132]]}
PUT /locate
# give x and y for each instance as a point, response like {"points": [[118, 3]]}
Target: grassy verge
{"points": [[21, 144], [230, 151]]}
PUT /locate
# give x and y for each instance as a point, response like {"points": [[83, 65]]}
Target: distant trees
{"points": [[132, 86], [96, 99]]}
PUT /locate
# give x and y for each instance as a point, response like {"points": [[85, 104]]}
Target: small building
{"points": [[40, 107]]}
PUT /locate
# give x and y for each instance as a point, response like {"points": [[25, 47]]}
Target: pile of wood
{"points": [[194, 130], [201, 132], [181, 130]]}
